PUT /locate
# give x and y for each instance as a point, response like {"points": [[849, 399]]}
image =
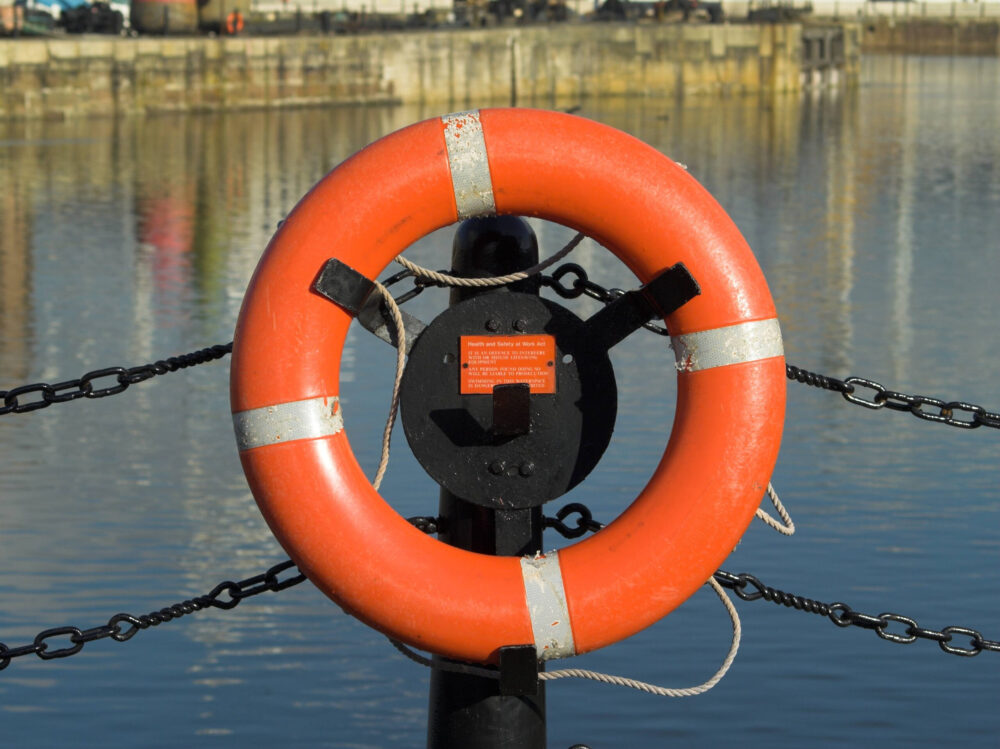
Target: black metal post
{"points": [[468, 712]]}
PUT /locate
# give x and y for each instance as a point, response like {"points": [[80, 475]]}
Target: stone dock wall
{"points": [[932, 36], [73, 77]]}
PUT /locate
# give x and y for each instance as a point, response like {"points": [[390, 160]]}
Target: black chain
{"points": [[816, 380], [419, 284], [229, 594], [585, 523], [425, 523], [921, 406], [581, 285], [122, 627], [749, 588], [83, 387]]}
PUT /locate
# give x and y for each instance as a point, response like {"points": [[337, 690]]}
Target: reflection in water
{"points": [[874, 213], [15, 278], [165, 216], [837, 238], [901, 336]]}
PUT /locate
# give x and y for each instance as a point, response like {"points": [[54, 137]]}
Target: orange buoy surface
{"points": [[723, 445]]}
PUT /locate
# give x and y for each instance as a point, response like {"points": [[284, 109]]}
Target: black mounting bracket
{"points": [[344, 286], [511, 410], [518, 671], [355, 293], [664, 294]]}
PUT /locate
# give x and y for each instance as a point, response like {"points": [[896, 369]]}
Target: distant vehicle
{"points": [[477, 13], [710, 8], [779, 11], [53, 8], [37, 19], [688, 9], [95, 18]]}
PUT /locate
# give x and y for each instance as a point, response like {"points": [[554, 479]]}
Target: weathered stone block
{"points": [[28, 52], [719, 43]]}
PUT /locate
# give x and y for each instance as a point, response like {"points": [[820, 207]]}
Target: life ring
{"points": [[351, 543], [234, 23]]}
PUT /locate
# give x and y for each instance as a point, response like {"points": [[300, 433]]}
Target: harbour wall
{"points": [[925, 36], [915, 27], [73, 77]]}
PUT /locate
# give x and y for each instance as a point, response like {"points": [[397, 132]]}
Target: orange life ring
{"points": [[234, 23], [351, 543]]}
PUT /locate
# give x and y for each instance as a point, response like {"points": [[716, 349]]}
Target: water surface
{"points": [[875, 216]]}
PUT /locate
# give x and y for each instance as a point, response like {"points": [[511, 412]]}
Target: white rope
{"points": [[413, 655], [786, 527], [446, 280], [397, 322], [462, 668], [620, 681]]}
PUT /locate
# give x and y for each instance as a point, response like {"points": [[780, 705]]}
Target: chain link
{"points": [[906, 630], [425, 523], [816, 380], [101, 383], [419, 285], [581, 285], [123, 627], [584, 524], [871, 394]]}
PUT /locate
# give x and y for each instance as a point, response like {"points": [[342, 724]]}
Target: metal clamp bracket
{"points": [[518, 670], [664, 294], [344, 286], [354, 293]]}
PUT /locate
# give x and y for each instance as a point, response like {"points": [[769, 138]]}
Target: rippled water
{"points": [[875, 216]]}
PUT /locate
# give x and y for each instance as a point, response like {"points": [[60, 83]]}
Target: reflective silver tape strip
{"points": [[735, 344], [543, 589], [284, 422], [470, 170]]}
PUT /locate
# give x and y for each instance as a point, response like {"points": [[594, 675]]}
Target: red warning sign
{"points": [[488, 360]]}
